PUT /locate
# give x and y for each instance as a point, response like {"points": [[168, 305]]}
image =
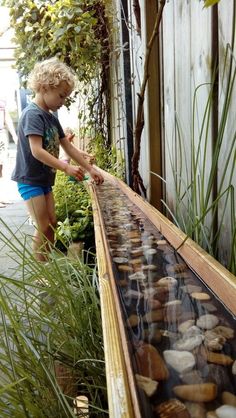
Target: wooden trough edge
{"points": [[121, 403]]}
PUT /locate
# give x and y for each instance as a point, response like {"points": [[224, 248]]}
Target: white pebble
{"points": [[226, 411], [182, 361]]}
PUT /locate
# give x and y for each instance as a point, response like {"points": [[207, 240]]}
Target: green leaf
{"points": [[77, 28], [209, 3], [60, 32]]}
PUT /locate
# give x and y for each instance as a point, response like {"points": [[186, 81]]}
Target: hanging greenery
{"points": [[75, 32], [66, 28], [208, 3]]}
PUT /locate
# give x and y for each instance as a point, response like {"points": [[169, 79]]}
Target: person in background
{"points": [[39, 138], [6, 124], [70, 136]]}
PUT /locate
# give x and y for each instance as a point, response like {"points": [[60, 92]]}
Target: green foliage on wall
{"points": [[107, 158], [209, 3]]}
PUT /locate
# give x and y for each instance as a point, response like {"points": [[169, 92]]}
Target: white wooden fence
{"points": [[191, 37]]}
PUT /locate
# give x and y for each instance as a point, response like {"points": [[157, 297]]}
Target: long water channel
{"points": [[181, 338]]}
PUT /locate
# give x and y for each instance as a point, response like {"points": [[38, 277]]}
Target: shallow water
{"points": [[167, 312]]}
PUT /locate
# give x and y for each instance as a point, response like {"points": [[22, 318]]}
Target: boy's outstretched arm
{"points": [[78, 157], [69, 138], [46, 158], [71, 170]]}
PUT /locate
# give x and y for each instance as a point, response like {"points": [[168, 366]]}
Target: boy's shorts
{"points": [[27, 191]]}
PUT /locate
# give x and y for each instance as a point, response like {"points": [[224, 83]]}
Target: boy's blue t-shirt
{"points": [[36, 121]]}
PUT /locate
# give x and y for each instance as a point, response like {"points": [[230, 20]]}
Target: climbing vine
{"points": [[65, 28]]}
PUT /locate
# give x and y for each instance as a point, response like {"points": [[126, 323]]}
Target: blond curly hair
{"points": [[50, 72]]}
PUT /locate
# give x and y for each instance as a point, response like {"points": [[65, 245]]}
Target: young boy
{"points": [[39, 137]]}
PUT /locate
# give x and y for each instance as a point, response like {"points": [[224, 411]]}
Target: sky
{"points": [[8, 75], [4, 19]]}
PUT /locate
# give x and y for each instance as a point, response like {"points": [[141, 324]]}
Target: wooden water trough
{"points": [[141, 255]]}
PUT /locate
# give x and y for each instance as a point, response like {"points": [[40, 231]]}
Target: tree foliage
{"points": [[65, 28], [77, 33]]}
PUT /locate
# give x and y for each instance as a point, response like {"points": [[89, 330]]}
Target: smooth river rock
{"points": [[154, 316], [191, 288], [148, 385], [133, 320], [192, 332], [226, 411], [211, 414], [139, 276], [200, 296], [204, 392], [210, 307], [181, 361], [234, 367], [120, 260], [219, 358], [196, 410], [214, 341], [167, 282], [152, 303], [150, 363], [229, 399], [207, 321], [188, 343], [225, 332], [176, 268], [186, 325], [172, 408], [213, 357]]}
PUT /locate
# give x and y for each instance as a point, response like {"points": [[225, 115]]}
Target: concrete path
{"points": [[13, 214]]}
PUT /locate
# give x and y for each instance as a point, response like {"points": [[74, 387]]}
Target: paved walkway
{"points": [[14, 223]]}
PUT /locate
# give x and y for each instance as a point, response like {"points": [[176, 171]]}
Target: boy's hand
{"points": [[90, 158], [75, 171], [96, 176]]}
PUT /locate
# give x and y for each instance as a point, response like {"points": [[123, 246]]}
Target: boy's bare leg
{"points": [[42, 211], [52, 216], [38, 245]]}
